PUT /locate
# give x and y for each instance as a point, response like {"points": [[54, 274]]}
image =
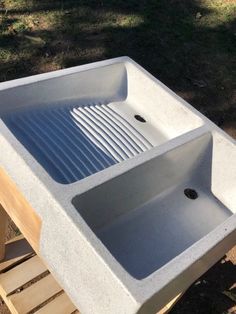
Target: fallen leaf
{"points": [[198, 15]]}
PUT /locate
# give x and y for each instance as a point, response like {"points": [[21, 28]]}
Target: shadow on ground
{"points": [[213, 293], [188, 46]]}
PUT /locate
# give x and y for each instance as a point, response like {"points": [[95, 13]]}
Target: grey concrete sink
{"points": [[135, 188]]}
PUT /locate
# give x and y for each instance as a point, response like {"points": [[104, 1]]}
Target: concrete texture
{"points": [[135, 188]]}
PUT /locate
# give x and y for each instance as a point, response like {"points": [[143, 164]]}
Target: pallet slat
{"points": [[169, 306], [60, 305], [3, 227], [10, 263], [16, 251], [21, 274], [36, 294]]}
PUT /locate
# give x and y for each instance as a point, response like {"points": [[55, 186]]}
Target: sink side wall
{"points": [[159, 105], [105, 83], [108, 201], [224, 170]]}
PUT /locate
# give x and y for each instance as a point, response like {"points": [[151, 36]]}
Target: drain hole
{"points": [[139, 118], [191, 194]]}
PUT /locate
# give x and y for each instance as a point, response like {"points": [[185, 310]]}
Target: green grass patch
{"points": [[180, 42]]}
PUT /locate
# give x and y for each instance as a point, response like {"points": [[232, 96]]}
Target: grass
{"points": [[190, 45]]}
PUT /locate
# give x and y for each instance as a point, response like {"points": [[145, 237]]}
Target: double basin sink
{"points": [[135, 188]]}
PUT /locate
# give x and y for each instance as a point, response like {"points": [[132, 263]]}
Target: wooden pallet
{"points": [[26, 285]]}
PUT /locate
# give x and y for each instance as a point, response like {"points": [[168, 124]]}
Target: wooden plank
{"points": [[34, 295], [21, 274], [20, 211], [169, 306], [15, 239], [3, 228], [60, 305], [17, 250]]}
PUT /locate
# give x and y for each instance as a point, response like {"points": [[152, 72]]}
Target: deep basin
{"points": [[74, 128], [150, 214]]}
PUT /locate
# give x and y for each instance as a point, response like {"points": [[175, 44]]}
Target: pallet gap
{"points": [[45, 302], [29, 283], [18, 262]]}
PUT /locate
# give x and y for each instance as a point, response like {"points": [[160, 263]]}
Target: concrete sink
{"points": [[135, 188]]}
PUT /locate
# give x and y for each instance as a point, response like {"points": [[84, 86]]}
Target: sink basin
{"points": [[152, 213], [135, 188], [83, 128]]}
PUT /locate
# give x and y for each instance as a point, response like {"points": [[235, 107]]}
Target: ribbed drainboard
{"points": [[74, 142]]}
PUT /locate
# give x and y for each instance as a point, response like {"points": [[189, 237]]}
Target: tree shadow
{"points": [[194, 59]]}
